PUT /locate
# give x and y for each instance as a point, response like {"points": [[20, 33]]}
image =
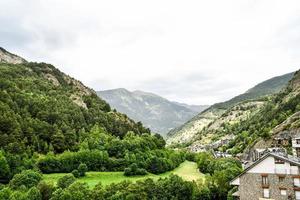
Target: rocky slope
{"points": [[157, 113], [202, 124], [7, 57], [279, 118]]}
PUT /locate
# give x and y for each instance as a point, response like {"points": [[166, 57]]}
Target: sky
{"points": [[192, 51]]}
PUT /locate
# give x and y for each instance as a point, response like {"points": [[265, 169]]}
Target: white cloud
{"points": [[159, 45]]}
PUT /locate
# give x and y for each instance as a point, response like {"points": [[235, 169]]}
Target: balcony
{"points": [[294, 171], [287, 171], [281, 171]]}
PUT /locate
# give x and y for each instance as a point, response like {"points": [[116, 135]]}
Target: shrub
{"points": [[76, 174], [5, 193], [66, 180], [4, 167], [34, 194], [141, 171], [27, 178], [45, 189], [134, 170], [82, 168], [127, 172]]}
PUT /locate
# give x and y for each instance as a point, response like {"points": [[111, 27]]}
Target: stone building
{"points": [[296, 145], [282, 139], [274, 176], [256, 154]]}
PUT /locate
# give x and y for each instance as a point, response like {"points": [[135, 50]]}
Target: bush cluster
{"points": [[134, 170]]}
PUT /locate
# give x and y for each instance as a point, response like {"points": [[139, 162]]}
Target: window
{"points": [[298, 141], [298, 151], [283, 192], [297, 182], [297, 194], [265, 180], [266, 193], [278, 161], [281, 178]]}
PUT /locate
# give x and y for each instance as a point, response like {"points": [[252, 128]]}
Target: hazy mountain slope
{"points": [[196, 108], [44, 109], [157, 113], [189, 130]]}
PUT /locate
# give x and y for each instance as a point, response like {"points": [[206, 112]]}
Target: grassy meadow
{"points": [[187, 170]]}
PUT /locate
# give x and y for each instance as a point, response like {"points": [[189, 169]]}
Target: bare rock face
{"points": [[78, 100], [52, 79], [6, 57]]}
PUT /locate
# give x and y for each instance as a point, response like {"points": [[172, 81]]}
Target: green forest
{"points": [[52, 123]]}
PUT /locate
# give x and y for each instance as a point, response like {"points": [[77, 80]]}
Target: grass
{"points": [[187, 170]]}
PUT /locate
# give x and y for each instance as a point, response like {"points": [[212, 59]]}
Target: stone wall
{"points": [[251, 187]]}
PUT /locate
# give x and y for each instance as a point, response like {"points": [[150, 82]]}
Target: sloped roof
{"points": [[287, 158]]}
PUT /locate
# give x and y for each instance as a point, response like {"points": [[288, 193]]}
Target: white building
{"points": [[273, 176]]}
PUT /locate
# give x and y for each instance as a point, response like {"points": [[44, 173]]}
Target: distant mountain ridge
{"points": [[189, 131], [156, 112], [196, 108], [270, 86]]}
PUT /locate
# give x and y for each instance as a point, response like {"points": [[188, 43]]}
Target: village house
{"points": [[296, 145], [258, 153], [282, 139], [273, 176]]}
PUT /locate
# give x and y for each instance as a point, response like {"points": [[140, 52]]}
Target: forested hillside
{"points": [[194, 129], [280, 113], [47, 113], [270, 86], [44, 109]]}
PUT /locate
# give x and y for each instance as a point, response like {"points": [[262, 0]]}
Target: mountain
{"points": [[270, 86], [196, 108], [278, 118], [157, 113], [7, 57], [198, 126], [43, 109]]}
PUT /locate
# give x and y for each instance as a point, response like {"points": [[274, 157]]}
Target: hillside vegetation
{"points": [[45, 110], [280, 113], [202, 129]]}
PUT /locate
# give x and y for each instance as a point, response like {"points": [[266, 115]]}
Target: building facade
{"points": [[273, 176], [296, 145]]}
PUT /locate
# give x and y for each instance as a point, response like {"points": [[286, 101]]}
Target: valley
{"points": [[155, 112], [60, 140], [149, 100]]}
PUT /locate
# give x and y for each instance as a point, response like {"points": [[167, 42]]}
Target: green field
{"points": [[187, 170]]}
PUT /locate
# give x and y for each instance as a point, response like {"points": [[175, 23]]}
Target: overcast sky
{"points": [[198, 52]]}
